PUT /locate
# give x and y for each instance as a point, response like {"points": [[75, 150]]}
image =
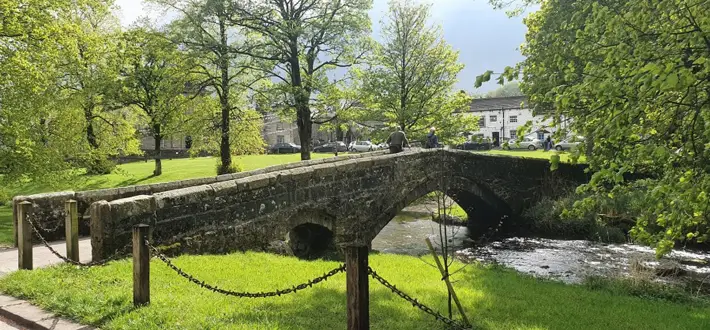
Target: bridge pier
{"points": [[358, 291]]}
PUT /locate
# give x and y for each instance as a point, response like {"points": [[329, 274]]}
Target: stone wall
{"points": [[48, 209], [354, 198]]}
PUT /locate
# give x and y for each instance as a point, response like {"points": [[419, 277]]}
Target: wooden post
{"points": [[446, 279], [357, 287], [24, 236], [71, 229], [141, 266]]}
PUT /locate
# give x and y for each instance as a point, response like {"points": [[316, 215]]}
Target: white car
{"points": [[363, 146]]}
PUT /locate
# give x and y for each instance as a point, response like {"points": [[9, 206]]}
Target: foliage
{"points": [[632, 76], [509, 89], [206, 29], [157, 80], [233, 168], [87, 84], [301, 42], [35, 139], [411, 78], [495, 294], [203, 127]]}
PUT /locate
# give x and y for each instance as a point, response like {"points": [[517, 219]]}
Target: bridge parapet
{"points": [[352, 198]]}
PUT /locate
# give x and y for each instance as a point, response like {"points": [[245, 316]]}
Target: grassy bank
{"points": [[540, 154], [138, 173], [493, 298]]}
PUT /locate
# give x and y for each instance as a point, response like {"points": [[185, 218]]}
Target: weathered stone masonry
{"points": [[48, 209], [353, 198]]}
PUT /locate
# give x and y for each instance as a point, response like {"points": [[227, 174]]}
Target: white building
{"points": [[499, 118]]}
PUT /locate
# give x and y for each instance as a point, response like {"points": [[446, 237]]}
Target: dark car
{"points": [[285, 148], [474, 145], [331, 147]]}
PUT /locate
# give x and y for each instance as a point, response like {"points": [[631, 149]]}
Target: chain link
{"points": [[119, 254], [213, 288], [424, 308]]}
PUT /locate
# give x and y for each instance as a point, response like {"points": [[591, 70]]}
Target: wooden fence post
{"points": [[141, 266], [358, 295], [71, 229], [24, 236]]}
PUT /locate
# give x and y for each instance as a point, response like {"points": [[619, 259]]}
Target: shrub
{"points": [[100, 166], [233, 168]]}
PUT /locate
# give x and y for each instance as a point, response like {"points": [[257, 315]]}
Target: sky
{"points": [[485, 38]]}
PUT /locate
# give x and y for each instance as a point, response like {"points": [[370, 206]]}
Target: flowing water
{"points": [[569, 261]]}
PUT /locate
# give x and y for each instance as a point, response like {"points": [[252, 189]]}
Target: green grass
{"points": [[541, 154], [493, 298], [136, 174]]}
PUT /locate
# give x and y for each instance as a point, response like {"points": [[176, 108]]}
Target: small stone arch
{"points": [[311, 234], [481, 204]]}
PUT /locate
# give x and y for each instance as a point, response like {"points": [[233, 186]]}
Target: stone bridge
{"points": [[344, 201]]}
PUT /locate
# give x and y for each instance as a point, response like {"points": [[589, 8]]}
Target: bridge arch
{"points": [[311, 233], [483, 207]]}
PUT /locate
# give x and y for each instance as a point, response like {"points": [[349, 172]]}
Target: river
{"points": [[569, 261]]}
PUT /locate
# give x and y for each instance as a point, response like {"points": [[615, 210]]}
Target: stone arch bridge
{"points": [[352, 197]]}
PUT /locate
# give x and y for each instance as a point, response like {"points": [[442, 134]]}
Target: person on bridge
{"points": [[432, 141], [397, 141]]}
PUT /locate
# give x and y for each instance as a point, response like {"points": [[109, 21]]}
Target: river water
{"points": [[569, 261]]}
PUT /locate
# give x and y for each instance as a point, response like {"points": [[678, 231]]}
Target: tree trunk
{"points": [[158, 139], [339, 134], [224, 147], [90, 134], [305, 129]]}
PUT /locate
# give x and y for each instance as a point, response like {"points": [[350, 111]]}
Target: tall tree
{"points": [[89, 70], [205, 28], [35, 133], [157, 79], [303, 40], [635, 75], [510, 89], [410, 83]]}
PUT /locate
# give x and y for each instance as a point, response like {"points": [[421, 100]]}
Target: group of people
{"points": [[398, 140]]}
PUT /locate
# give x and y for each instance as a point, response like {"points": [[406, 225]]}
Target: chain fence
{"points": [[424, 308], [213, 288], [119, 254]]}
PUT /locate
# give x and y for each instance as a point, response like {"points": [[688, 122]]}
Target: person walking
{"points": [[548, 144], [432, 141], [397, 141]]}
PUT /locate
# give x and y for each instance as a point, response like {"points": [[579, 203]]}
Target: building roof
{"points": [[499, 103]]}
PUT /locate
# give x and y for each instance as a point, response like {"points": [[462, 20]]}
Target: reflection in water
{"points": [[568, 261]]}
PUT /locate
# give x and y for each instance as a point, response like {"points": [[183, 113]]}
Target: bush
{"points": [[100, 166], [233, 168]]}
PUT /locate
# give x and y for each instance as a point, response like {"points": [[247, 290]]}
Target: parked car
{"points": [[285, 148], [331, 147], [567, 144], [363, 146], [527, 143], [474, 145]]}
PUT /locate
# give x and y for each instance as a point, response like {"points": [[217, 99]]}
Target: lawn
{"points": [[564, 156], [493, 298], [139, 173]]}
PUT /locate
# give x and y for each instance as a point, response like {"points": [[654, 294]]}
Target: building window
{"points": [[540, 135], [279, 126], [482, 121], [513, 134], [280, 139], [493, 118], [513, 119]]}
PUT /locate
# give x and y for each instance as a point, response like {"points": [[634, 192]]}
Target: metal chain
{"points": [[117, 255], [46, 230], [213, 288], [452, 323]]}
